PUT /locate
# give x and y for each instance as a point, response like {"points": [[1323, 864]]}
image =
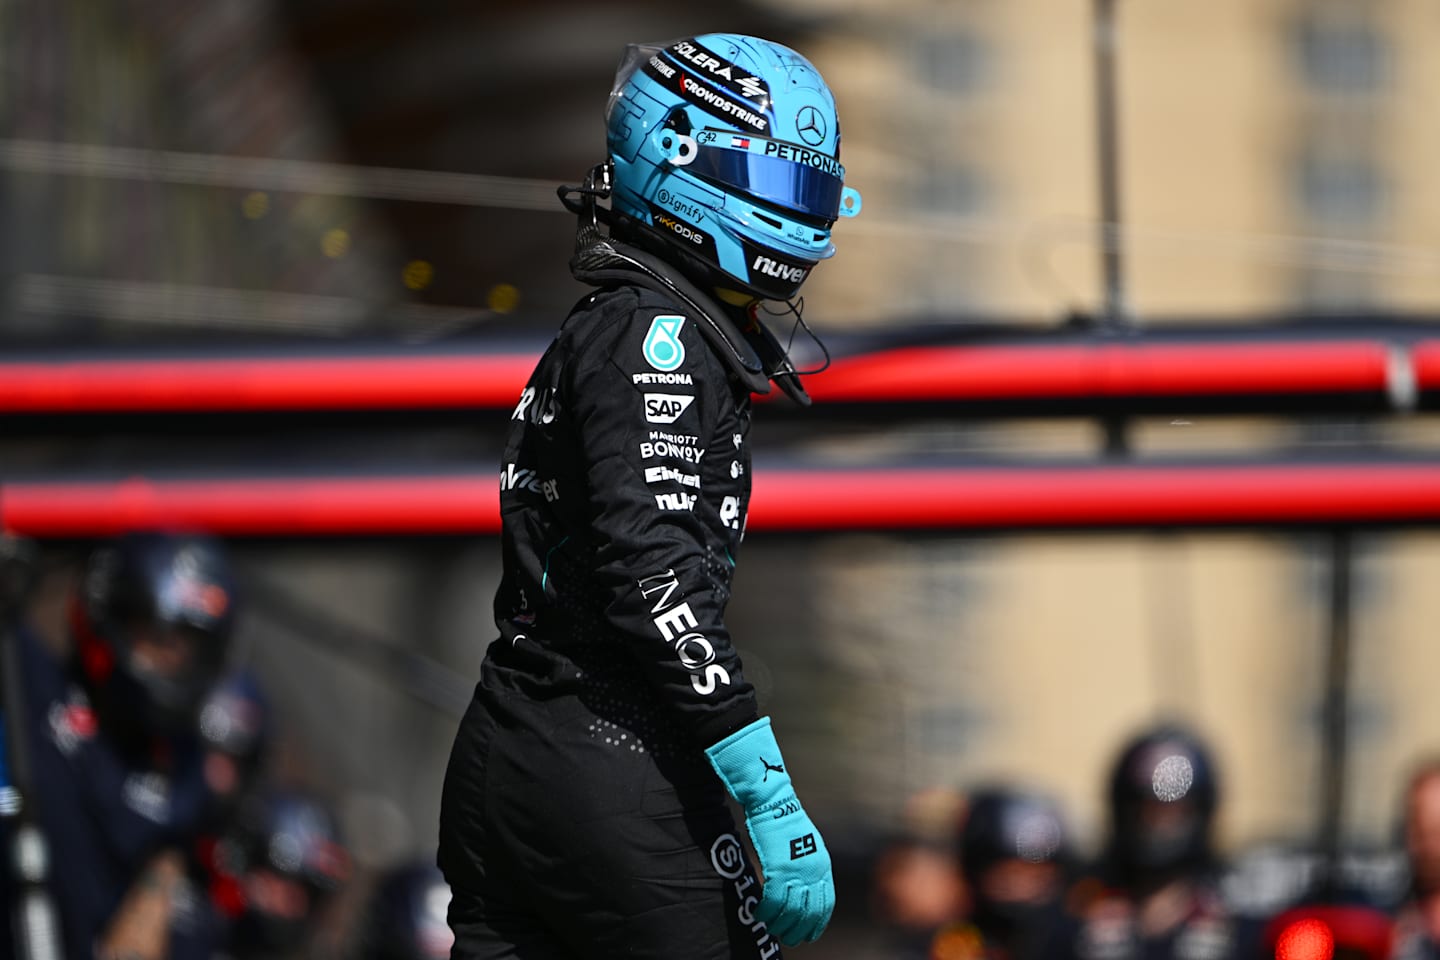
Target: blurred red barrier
{"points": [[784, 500], [258, 384], [1105, 369], [469, 377]]}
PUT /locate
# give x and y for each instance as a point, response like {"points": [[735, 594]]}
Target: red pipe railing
{"points": [[785, 499], [1375, 370]]}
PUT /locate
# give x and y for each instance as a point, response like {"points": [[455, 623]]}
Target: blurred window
{"points": [[950, 185], [1336, 290], [1340, 51], [954, 62], [1340, 188]]}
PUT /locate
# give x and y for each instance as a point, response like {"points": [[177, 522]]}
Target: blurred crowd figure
{"points": [[166, 837], [1156, 890], [406, 917], [1417, 929], [1013, 852], [1007, 884], [916, 886], [273, 871]]}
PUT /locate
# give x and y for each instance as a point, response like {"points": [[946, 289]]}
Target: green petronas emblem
{"points": [[663, 349]]}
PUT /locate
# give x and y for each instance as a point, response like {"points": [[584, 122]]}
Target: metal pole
{"points": [[1114, 313], [1335, 706], [1107, 136]]}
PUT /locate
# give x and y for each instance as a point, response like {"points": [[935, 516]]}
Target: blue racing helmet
{"points": [[728, 147]]}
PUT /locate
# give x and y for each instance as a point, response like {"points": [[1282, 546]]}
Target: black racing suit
{"points": [[580, 817]]}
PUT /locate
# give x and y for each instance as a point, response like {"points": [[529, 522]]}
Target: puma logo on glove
{"points": [[799, 892]]}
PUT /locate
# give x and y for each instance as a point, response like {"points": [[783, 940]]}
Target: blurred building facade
{"points": [[1274, 156]]}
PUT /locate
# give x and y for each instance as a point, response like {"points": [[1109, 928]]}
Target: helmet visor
{"points": [[793, 178]]}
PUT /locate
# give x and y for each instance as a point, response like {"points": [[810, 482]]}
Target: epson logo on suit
{"points": [[666, 407]]}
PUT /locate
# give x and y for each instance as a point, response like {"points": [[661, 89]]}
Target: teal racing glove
{"points": [[799, 891]]}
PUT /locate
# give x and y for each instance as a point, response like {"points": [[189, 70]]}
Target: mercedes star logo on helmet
{"points": [[811, 125]]}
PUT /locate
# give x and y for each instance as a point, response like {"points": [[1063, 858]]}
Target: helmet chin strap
{"points": [[752, 354]]}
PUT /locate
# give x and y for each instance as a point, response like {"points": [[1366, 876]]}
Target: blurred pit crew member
{"points": [[406, 915], [275, 871], [234, 726], [1418, 921], [1155, 894], [1013, 854], [118, 771]]}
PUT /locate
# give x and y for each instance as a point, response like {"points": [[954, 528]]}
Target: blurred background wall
{"points": [[319, 171], [1274, 155]]}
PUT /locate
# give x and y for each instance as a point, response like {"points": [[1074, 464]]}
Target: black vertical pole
{"points": [[1335, 707], [1107, 130], [1114, 312]]}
